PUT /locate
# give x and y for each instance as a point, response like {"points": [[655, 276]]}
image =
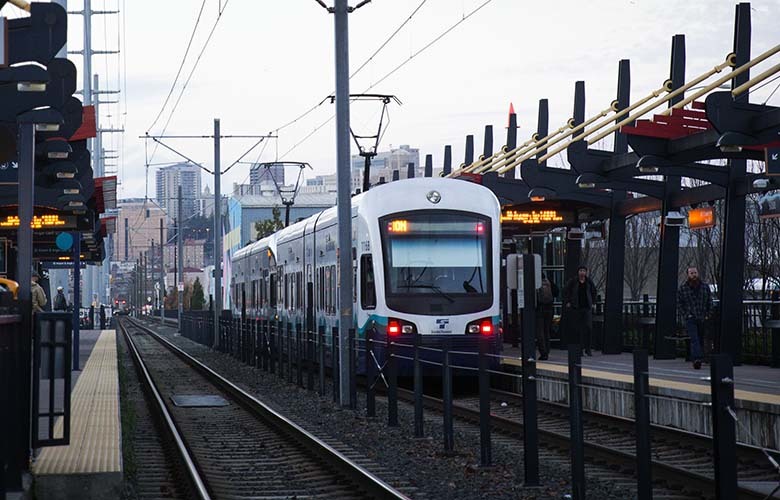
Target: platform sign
{"points": [[701, 218], [3, 42], [42, 221], [64, 241], [772, 161], [552, 217], [515, 275]]}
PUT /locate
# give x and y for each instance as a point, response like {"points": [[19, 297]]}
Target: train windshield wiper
{"points": [[435, 289]]}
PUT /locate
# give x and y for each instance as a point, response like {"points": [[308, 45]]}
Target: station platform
{"points": [[680, 395], [91, 466]]}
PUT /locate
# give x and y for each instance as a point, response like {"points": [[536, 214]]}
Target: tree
{"points": [[197, 300], [269, 226], [641, 258], [172, 299]]}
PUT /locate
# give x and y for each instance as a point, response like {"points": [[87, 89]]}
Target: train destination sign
{"points": [[43, 221], [537, 217]]}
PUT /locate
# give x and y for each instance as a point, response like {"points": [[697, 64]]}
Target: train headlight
{"points": [[473, 328], [407, 329]]}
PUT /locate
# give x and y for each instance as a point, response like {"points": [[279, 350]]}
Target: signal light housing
{"points": [[393, 328], [482, 326], [397, 327]]}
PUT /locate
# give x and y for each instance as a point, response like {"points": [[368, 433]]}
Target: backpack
{"points": [[545, 293]]}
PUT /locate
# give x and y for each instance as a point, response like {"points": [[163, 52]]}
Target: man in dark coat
{"points": [[579, 295], [545, 297], [694, 302]]}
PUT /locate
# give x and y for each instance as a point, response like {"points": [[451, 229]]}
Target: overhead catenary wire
{"points": [[181, 67], [387, 75], [192, 72]]}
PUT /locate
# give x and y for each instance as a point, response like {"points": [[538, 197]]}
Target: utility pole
{"points": [[180, 258], [217, 235], [344, 183], [96, 278], [217, 172], [154, 295], [162, 275]]}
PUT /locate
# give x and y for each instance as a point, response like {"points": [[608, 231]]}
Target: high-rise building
{"points": [[168, 181], [261, 174], [384, 163]]}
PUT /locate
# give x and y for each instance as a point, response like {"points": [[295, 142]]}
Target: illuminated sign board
{"points": [[701, 218], [44, 221], [537, 217]]}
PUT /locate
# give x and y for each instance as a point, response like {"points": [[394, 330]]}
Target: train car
{"points": [[424, 261]]}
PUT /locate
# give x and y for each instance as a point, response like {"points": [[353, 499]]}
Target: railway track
{"points": [[682, 463], [235, 446]]}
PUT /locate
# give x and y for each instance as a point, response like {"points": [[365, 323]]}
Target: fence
{"points": [[760, 329], [300, 355]]}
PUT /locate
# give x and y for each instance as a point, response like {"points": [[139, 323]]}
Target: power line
{"points": [[181, 66], [363, 65], [442, 35], [399, 66], [192, 72], [397, 30]]}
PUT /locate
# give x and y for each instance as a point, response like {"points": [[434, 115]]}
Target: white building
{"points": [[169, 179]]}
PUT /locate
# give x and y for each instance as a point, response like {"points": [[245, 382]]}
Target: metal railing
{"points": [[760, 329]]}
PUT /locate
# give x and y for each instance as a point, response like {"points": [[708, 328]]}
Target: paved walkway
{"points": [[752, 382]]}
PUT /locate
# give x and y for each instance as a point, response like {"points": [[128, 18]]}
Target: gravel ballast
{"points": [[421, 463]]}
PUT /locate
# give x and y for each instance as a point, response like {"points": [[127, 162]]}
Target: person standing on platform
{"points": [[60, 302], [38, 295], [579, 296], [545, 296], [694, 301]]}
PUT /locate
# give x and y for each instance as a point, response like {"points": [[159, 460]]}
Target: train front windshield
{"points": [[444, 256]]}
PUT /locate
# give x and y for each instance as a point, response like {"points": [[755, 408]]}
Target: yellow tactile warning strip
{"points": [[95, 426], [657, 382]]}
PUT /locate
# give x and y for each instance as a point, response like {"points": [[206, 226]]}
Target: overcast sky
{"points": [[271, 60]]}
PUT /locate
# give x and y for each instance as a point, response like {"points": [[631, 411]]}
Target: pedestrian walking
{"points": [[60, 302], [579, 296], [38, 295], [694, 303], [545, 297]]}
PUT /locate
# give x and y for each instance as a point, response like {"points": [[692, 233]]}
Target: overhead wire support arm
{"points": [[174, 151], [349, 9], [370, 150]]}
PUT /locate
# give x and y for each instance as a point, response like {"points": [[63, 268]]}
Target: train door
{"points": [[366, 290]]}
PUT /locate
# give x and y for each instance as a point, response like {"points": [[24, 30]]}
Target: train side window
{"points": [[367, 284], [272, 290], [333, 289]]}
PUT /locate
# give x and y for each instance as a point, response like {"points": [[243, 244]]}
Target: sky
{"points": [[269, 61]]}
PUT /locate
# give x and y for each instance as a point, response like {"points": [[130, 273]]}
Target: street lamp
{"points": [[539, 194]]}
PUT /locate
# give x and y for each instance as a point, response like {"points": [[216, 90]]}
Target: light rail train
{"points": [[424, 261]]}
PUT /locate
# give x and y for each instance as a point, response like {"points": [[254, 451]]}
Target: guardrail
{"points": [[760, 329]]}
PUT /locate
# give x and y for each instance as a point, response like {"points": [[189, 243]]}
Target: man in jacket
{"points": [[60, 302], [694, 301], [579, 295], [38, 295], [545, 297]]}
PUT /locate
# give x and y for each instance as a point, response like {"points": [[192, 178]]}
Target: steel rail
{"points": [[193, 474], [373, 485], [661, 470]]}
